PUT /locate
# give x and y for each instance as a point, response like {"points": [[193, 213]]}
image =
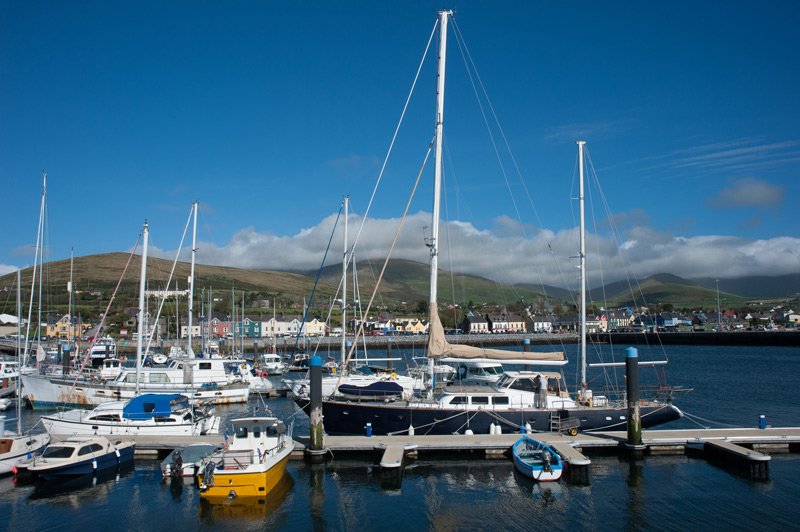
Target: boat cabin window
{"points": [[500, 400], [158, 378], [131, 377], [89, 449], [187, 416], [458, 400], [480, 400], [256, 432], [161, 419], [205, 365], [58, 452], [523, 384], [105, 417], [272, 430], [241, 432]]}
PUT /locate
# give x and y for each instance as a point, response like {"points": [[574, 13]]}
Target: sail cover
{"points": [[439, 347]]}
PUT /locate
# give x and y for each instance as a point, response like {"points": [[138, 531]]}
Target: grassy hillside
{"points": [[94, 272], [404, 281], [408, 280]]}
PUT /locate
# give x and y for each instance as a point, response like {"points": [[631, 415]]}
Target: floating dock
{"points": [[738, 447]]}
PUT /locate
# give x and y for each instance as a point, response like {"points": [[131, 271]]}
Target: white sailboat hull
{"points": [[49, 392]]}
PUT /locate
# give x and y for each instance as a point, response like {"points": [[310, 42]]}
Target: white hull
{"points": [[66, 427], [49, 392], [21, 448]]}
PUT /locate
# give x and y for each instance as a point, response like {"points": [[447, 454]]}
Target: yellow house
{"points": [[516, 323], [314, 327], [60, 328], [416, 326]]}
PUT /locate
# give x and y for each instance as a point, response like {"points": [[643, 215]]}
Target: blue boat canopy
{"points": [[151, 405]]}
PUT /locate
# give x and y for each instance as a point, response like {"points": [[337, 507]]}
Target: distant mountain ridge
{"points": [[406, 280]]}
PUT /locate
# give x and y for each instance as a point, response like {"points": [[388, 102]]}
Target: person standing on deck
{"points": [[542, 391]]}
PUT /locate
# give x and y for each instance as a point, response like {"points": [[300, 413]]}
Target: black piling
{"points": [[634, 443], [316, 446]]}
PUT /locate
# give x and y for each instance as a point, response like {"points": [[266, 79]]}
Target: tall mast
{"points": [[437, 181], [177, 316], [582, 259], [203, 321], [140, 325], [234, 324], [19, 351], [39, 243], [344, 284], [191, 277], [71, 330]]}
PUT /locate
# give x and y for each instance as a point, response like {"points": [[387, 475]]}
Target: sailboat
{"points": [[17, 447], [529, 400]]}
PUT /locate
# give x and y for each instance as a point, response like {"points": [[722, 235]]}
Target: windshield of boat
{"points": [[58, 452]]}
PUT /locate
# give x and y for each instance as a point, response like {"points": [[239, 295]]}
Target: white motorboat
{"points": [[271, 364], [80, 455]]}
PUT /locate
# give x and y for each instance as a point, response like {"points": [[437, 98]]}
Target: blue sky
{"points": [[267, 113]]}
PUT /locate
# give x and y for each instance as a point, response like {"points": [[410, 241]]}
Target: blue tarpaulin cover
{"points": [[150, 405]]}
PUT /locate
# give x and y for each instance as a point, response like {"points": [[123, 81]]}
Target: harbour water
{"points": [[731, 386]]}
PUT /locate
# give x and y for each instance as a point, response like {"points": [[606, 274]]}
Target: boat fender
{"points": [[94, 465], [116, 451], [393, 376]]}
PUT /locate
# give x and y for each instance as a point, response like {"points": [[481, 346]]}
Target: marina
{"points": [[453, 472], [608, 416]]}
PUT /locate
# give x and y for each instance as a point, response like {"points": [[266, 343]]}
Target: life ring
{"points": [[264, 374], [393, 376]]}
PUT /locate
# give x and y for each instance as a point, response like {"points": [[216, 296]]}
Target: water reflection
{"points": [[317, 496], [76, 491], [244, 510], [636, 500]]}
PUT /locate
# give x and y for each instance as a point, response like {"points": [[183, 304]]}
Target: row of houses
{"points": [[255, 327], [386, 323], [474, 323], [626, 320]]}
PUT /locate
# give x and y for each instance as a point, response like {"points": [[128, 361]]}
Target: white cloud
{"points": [[544, 258], [6, 269]]}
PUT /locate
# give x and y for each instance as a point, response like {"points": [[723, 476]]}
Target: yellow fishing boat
{"points": [[251, 465]]}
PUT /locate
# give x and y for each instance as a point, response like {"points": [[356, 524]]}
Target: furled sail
{"points": [[439, 347]]}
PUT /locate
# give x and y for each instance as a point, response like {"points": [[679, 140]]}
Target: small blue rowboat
{"points": [[536, 460]]}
